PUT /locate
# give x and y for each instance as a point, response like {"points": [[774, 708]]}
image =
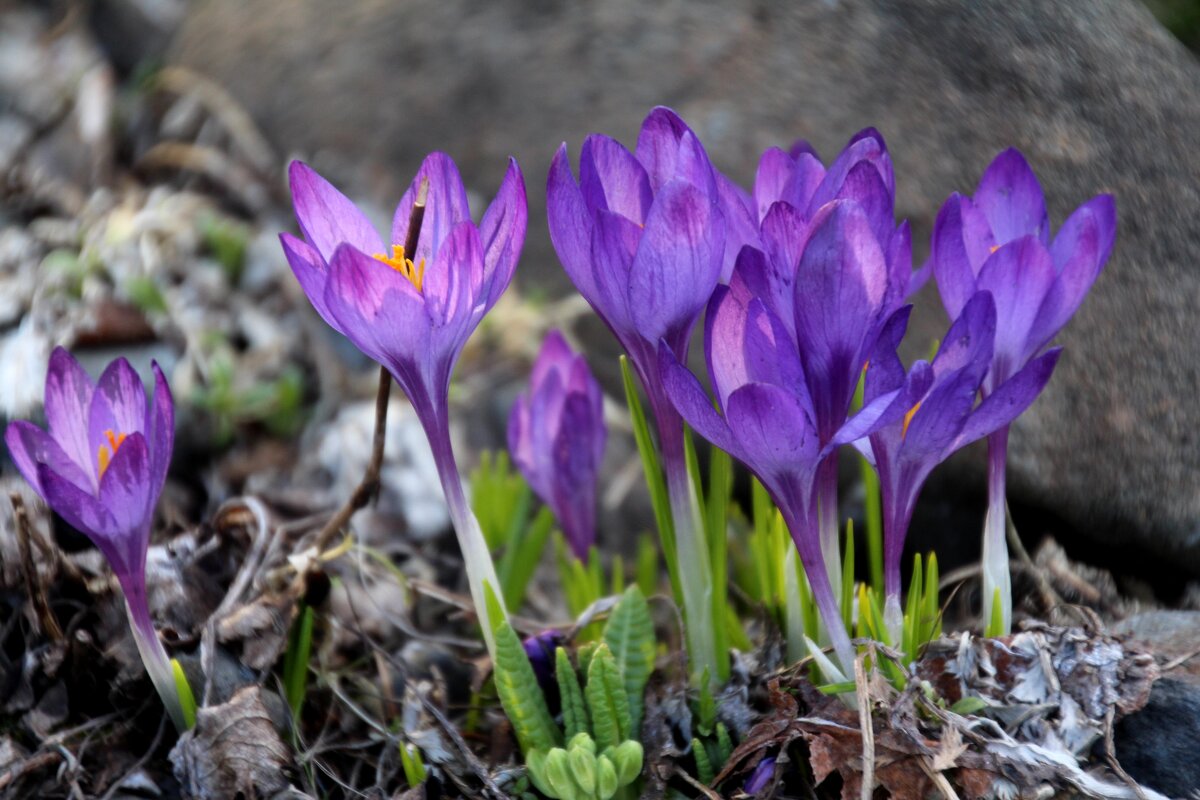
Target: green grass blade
{"points": [[847, 599], [521, 557], [295, 661]]}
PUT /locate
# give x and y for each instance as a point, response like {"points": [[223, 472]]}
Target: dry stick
{"points": [[33, 587], [370, 482], [866, 724], [1050, 598]]}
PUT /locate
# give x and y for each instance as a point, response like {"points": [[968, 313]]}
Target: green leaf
{"points": [[724, 744], [574, 713], [969, 705], [606, 778], [295, 661], [627, 758], [521, 557], [706, 706], [413, 765], [995, 626], [646, 568], [716, 523], [187, 700], [932, 623], [842, 687], [847, 598], [704, 767], [517, 685], [606, 699], [652, 468], [629, 634]]}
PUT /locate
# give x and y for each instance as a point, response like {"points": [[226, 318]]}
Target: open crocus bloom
{"points": [[999, 241], [556, 435], [101, 466], [413, 312], [942, 417]]}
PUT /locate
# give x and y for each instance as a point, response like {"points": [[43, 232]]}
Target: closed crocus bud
{"points": [[606, 778], [583, 768], [540, 649], [627, 758], [556, 436], [761, 776]]}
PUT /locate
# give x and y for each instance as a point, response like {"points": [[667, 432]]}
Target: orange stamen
{"points": [[405, 266], [105, 455], [908, 417]]}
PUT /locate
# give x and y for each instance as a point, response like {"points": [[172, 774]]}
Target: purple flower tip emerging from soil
{"points": [[413, 312], [761, 776], [101, 466], [540, 648], [941, 416], [556, 436]]}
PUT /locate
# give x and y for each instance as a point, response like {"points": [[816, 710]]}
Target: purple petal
{"points": [[758, 780], [570, 225], [785, 233], [658, 145], [741, 224], [575, 471], [31, 447], [951, 255], [555, 355], [678, 262], [446, 207], [1010, 196], [768, 280], [310, 270], [879, 413], [900, 271], [68, 400], [612, 179], [126, 488], [502, 232], [971, 338], [520, 438], [81, 509], [118, 405], [865, 186], [692, 403], [453, 281], [782, 177], [935, 424], [378, 309], [1019, 276], [885, 371], [614, 242], [161, 429], [327, 218], [1010, 399], [866, 147], [772, 429]]}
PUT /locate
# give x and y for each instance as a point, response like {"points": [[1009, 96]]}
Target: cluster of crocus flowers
{"points": [[556, 436], [413, 312], [101, 466], [642, 235], [999, 241]]}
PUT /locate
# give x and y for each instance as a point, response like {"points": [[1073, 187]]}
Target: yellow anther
{"points": [[105, 456], [908, 417], [405, 266]]}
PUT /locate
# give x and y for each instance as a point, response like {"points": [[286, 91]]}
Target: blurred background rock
{"points": [[1099, 95]]}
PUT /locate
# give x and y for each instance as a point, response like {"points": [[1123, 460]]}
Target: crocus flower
{"points": [[642, 236], [413, 312], [540, 648], [765, 416], [943, 416], [999, 241], [556, 436], [760, 777], [101, 467]]}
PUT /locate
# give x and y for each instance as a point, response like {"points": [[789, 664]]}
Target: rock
{"points": [[1157, 746], [1173, 636], [1098, 96]]}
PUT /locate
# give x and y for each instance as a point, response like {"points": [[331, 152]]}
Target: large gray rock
{"points": [[1096, 94]]}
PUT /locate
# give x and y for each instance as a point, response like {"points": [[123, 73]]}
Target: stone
{"points": [[1173, 637], [1157, 746], [1097, 95]]}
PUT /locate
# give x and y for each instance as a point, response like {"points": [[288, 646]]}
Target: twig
{"points": [[33, 586], [369, 486], [939, 780], [1110, 755], [1050, 597], [866, 724]]}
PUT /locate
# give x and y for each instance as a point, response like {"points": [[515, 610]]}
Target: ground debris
{"points": [[234, 749]]}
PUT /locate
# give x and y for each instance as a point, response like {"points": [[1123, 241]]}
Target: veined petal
{"points": [[1010, 399], [611, 178], [770, 281], [311, 271], [502, 233], [126, 486], [555, 355], [80, 508], [520, 437], [327, 218], [900, 271], [951, 257], [867, 147], [885, 370], [377, 309], [678, 262], [934, 426], [864, 185], [68, 400], [658, 145], [692, 403], [788, 178], [160, 427], [570, 225], [118, 406], [971, 338], [446, 206], [879, 413], [785, 234], [741, 223], [453, 281], [772, 430], [1010, 196], [31, 447], [614, 242], [1019, 276]]}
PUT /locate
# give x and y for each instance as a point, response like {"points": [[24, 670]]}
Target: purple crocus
{"points": [[556, 436], [101, 467], [942, 417], [413, 312], [999, 241], [831, 263], [642, 236], [766, 417], [760, 777]]}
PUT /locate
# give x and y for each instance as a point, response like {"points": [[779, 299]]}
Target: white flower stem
{"points": [[995, 544]]}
